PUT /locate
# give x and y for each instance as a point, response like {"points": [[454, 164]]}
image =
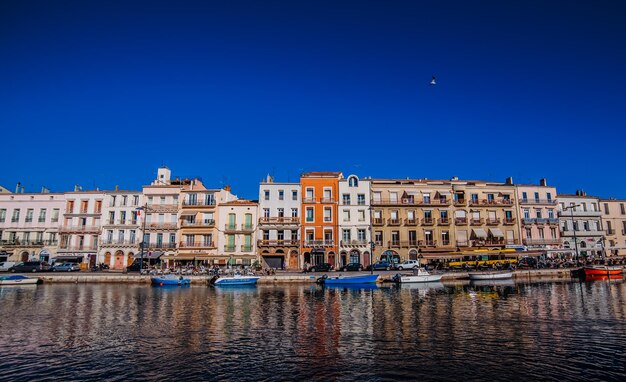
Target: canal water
{"points": [[559, 331]]}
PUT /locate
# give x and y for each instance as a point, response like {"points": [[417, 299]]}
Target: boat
{"points": [[170, 280], [490, 275], [369, 286], [420, 275], [602, 270], [343, 280], [493, 282], [235, 280], [602, 277], [17, 280]]}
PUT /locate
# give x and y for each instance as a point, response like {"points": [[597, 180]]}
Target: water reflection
{"points": [[548, 330]]}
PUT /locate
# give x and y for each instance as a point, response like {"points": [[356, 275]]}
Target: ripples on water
{"points": [[542, 331]]}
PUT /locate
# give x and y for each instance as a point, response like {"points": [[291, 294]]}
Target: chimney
{"points": [[509, 180], [454, 178], [117, 187], [17, 188], [543, 182], [44, 190], [77, 188], [227, 188], [578, 193], [22, 191]]}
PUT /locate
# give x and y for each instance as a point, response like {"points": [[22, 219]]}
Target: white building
{"points": [[279, 224], [121, 235], [80, 229], [238, 222], [354, 220], [580, 217], [29, 225]]}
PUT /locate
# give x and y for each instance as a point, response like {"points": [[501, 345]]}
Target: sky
{"points": [[102, 93]]}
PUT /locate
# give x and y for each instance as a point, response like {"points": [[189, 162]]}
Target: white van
{"points": [[4, 267]]}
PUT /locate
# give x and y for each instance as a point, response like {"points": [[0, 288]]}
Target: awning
{"points": [[480, 233], [496, 232], [444, 193], [149, 255], [188, 214]]}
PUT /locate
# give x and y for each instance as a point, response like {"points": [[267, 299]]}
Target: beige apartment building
{"points": [[614, 221], [429, 218], [539, 216]]}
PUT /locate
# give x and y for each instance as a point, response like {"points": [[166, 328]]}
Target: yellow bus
{"points": [[482, 258]]}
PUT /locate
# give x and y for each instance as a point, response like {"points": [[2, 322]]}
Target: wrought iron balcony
{"points": [[492, 221], [161, 226], [354, 243], [477, 221], [197, 244], [319, 243], [79, 228], [428, 221], [541, 241], [198, 203], [377, 221], [460, 221], [410, 222], [508, 221], [550, 202], [278, 243], [443, 221], [279, 220], [394, 222], [208, 223], [490, 202]]}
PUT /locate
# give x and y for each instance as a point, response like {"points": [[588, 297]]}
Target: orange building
{"points": [[320, 218]]}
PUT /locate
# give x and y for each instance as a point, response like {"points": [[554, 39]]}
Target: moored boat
{"points": [[490, 275], [17, 280], [603, 270], [234, 280], [419, 276], [343, 280], [170, 280]]}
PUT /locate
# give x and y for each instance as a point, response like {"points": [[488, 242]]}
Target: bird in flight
{"points": [[433, 81]]}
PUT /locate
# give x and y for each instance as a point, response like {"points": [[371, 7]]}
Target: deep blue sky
{"points": [[102, 93]]}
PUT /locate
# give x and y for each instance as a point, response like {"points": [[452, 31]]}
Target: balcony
{"points": [[553, 222], [162, 208], [427, 243], [207, 223], [542, 241], [549, 202], [570, 212], [27, 243], [377, 221], [197, 244], [354, 243], [460, 221], [78, 247], [508, 221], [492, 221], [246, 248], [278, 243], [160, 246], [279, 220], [41, 220], [394, 222], [541, 222], [230, 227], [161, 226], [428, 221], [410, 222], [580, 234], [327, 200], [198, 203], [460, 202], [443, 221], [79, 228], [111, 242], [394, 202], [308, 200], [247, 227], [477, 221], [319, 243], [229, 248], [490, 202]]}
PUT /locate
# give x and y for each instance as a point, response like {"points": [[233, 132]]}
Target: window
{"points": [[232, 221], [575, 226], [378, 237], [109, 236], [135, 200], [84, 206], [490, 198], [328, 217], [361, 215], [328, 194], [606, 208], [360, 234], [266, 195], [294, 212], [395, 238], [526, 213], [132, 236], [42, 215], [124, 199], [3, 215], [309, 215], [541, 235], [536, 196], [162, 200], [29, 215], [524, 196], [443, 214], [353, 181], [294, 235], [360, 199], [345, 235], [553, 233], [538, 213], [172, 239], [111, 217], [189, 240], [376, 196], [281, 212], [294, 195], [266, 212], [426, 198], [445, 237], [428, 215], [266, 235], [16, 215], [310, 195], [474, 197], [549, 196], [585, 226], [550, 214], [281, 194], [207, 240], [345, 199], [55, 215], [529, 233], [346, 215], [623, 210], [122, 217], [120, 236]]}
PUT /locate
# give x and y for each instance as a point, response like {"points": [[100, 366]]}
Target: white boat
{"points": [[234, 280], [490, 275], [17, 280], [420, 275]]}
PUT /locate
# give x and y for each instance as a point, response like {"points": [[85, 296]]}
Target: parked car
{"points": [[352, 267], [409, 264], [134, 267], [381, 266], [322, 267], [66, 267], [6, 265], [31, 266]]}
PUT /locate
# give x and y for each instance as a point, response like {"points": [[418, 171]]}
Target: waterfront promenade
{"points": [[278, 278]]}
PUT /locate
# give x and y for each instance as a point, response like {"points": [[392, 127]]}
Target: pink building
{"points": [[539, 216]]}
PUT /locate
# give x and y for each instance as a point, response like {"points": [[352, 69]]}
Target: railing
{"points": [[27, 243], [377, 221], [308, 200], [279, 220], [541, 241], [15, 220], [541, 221], [476, 221], [247, 227], [569, 213], [445, 242], [427, 243], [119, 242], [492, 202], [443, 221], [490, 221], [197, 244], [354, 243], [79, 228], [428, 221], [199, 223], [412, 202], [41, 220], [319, 243], [229, 248], [460, 202], [460, 221], [210, 203], [410, 221], [163, 226], [230, 227], [246, 248], [553, 221], [278, 243], [159, 207], [538, 201], [327, 200], [580, 233], [394, 221], [508, 221], [78, 247]]}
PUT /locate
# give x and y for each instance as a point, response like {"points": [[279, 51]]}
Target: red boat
{"points": [[603, 270], [603, 277]]}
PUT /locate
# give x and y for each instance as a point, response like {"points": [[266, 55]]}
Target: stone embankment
{"points": [[280, 278]]}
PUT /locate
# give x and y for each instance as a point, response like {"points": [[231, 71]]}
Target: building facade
{"points": [[614, 222], [236, 239], [354, 221], [121, 234], [581, 224], [278, 237], [319, 217], [29, 225], [539, 216]]}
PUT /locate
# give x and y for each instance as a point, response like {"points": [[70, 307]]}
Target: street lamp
{"points": [[571, 209], [143, 233]]}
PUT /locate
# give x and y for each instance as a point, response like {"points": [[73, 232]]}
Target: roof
{"points": [[322, 174], [240, 202]]}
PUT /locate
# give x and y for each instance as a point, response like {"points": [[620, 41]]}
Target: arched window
{"points": [[353, 181]]}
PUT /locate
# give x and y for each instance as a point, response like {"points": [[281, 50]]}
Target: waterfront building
{"points": [[280, 206], [614, 222], [319, 217], [160, 217], [429, 218], [237, 230], [581, 224], [121, 234], [29, 225], [539, 216], [354, 221], [81, 226], [199, 223]]}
